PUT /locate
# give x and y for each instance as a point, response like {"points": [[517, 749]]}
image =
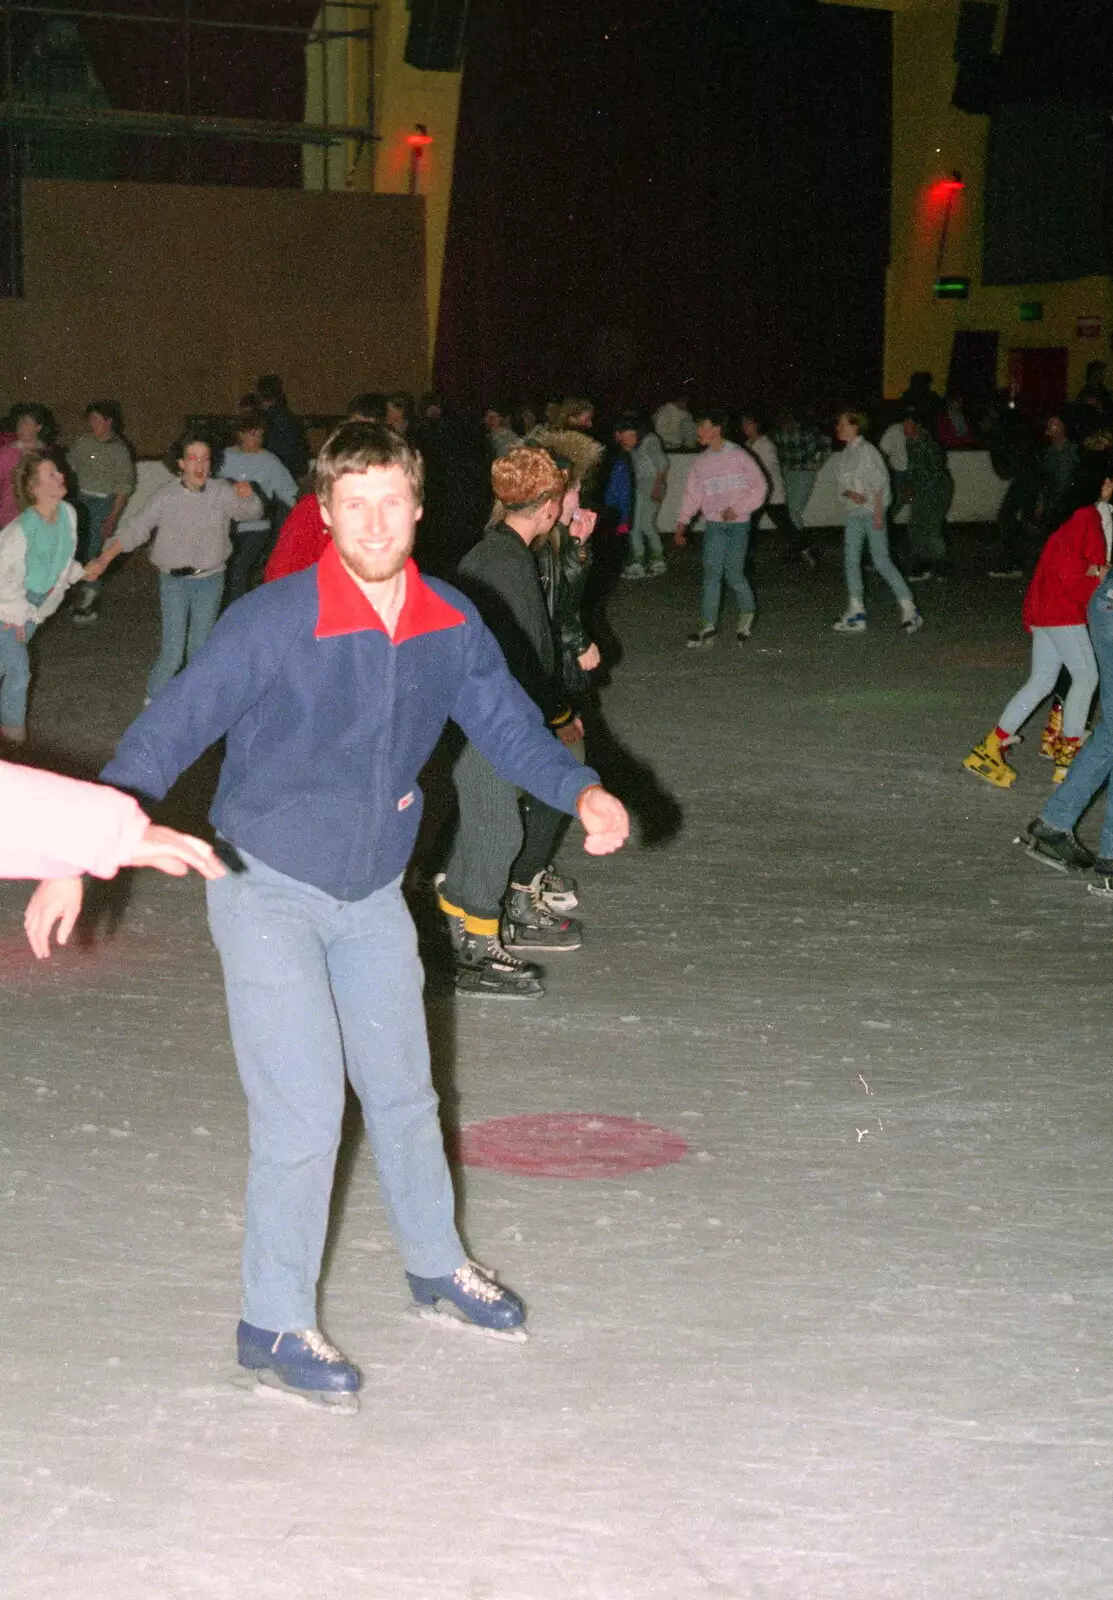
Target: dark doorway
{"points": [[973, 369], [1039, 376]]}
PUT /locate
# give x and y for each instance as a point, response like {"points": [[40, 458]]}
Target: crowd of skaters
{"points": [[321, 594]]}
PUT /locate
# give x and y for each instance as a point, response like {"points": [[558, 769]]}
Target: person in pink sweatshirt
{"points": [[56, 828], [728, 486]]}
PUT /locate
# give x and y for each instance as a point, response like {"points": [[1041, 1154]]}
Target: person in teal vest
{"points": [[37, 566]]}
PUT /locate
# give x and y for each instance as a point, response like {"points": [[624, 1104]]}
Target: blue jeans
{"points": [[1093, 764], [798, 491], [189, 612], [859, 530], [95, 509], [15, 676], [317, 987], [645, 541], [724, 556]]}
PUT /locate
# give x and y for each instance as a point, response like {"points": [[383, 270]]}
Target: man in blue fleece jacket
{"points": [[331, 688]]}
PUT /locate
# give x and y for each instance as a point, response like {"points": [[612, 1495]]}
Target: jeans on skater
{"points": [[725, 545], [189, 612], [95, 509], [15, 676], [927, 514], [1053, 648], [859, 531], [1093, 764], [316, 986], [798, 491], [645, 541]]}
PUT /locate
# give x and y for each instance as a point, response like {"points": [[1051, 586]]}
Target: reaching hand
{"points": [[590, 658], [571, 732], [244, 490], [175, 853], [55, 901], [605, 821]]}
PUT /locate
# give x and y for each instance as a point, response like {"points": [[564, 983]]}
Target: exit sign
{"points": [[1031, 311], [952, 288]]}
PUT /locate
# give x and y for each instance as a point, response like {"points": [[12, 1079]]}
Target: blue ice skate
{"points": [[302, 1364], [471, 1296]]}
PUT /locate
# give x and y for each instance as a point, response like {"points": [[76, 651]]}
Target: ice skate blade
{"points": [[445, 1313], [523, 948], [268, 1385], [498, 994], [990, 774], [1032, 849], [1103, 889]]}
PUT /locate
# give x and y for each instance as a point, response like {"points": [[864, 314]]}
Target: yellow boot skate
{"points": [[1049, 739], [987, 761], [1065, 752]]}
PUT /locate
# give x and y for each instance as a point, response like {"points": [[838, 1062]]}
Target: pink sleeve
{"points": [[9, 505], [52, 827], [693, 493], [757, 489]]}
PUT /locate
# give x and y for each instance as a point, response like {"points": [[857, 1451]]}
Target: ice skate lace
{"points": [[475, 1281], [316, 1342], [547, 918], [498, 952]]}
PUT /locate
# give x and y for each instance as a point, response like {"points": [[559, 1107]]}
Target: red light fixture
{"points": [[946, 191], [418, 141]]}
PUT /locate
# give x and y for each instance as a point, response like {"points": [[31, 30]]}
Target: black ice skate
{"points": [[485, 967], [302, 1364], [528, 924], [1055, 847]]}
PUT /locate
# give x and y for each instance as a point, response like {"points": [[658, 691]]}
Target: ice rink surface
{"points": [[854, 1346]]}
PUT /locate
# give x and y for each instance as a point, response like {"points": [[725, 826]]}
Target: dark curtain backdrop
{"points": [[1058, 50], [652, 193]]}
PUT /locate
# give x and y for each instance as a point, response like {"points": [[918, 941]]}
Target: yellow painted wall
{"points": [[351, 81], [402, 97], [930, 139]]}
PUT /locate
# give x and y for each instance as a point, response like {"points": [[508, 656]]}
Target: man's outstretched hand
{"points": [[605, 819]]}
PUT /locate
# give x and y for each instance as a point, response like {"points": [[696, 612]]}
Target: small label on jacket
{"points": [[406, 801]]}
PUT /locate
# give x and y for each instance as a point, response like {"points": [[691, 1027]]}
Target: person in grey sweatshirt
{"points": [[190, 518]]}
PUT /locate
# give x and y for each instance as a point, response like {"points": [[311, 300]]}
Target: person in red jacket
{"points": [[303, 538], [1073, 562]]}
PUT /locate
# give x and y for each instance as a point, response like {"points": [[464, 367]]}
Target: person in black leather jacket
{"points": [[501, 577]]}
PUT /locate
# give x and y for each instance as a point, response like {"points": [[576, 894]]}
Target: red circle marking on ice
{"points": [[568, 1145]]}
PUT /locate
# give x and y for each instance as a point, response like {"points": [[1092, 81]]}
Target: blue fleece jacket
{"points": [[328, 722]]}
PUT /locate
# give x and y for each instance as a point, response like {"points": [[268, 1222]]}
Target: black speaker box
{"points": [[435, 42], [978, 87], [977, 20]]}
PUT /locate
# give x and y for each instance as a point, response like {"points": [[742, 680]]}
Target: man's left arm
{"points": [[508, 729]]}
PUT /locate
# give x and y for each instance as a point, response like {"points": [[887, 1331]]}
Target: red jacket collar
{"points": [[342, 606]]}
